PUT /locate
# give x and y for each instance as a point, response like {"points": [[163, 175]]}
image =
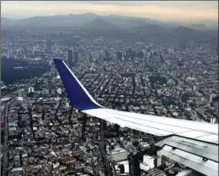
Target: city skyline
{"points": [[161, 10]]}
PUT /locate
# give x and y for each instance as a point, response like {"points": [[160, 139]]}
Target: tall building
{"points": [[20, 157], [211, 96], [20, 96], [107, 56], [119, 54], [19, 117], [134, 164], [75, 57], [2, 126], [48, 45], [70, 58]]}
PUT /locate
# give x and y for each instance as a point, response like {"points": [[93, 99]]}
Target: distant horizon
{"points": [[105, 15], [173, 11]]}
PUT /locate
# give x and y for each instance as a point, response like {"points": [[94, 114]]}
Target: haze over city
{"points": [[162, 10], [152, 65]]}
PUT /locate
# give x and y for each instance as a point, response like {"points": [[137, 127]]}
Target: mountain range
{"points": [[94, 21]]}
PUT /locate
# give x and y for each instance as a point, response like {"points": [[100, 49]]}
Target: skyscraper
{"points": [[70, 59], [119, 54], [19, 117], [48, 45], [75, 57], [107, 56]]}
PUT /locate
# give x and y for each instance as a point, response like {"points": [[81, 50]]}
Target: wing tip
{"points": [[57, 60], [78, 95]]}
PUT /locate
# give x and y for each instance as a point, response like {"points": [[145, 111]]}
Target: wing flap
{"points": [[188, 159], [198, 148]]}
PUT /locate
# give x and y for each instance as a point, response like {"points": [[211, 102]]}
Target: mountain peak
{"points": [[99, 21]]}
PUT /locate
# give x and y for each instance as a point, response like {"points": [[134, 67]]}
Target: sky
{"points": [[161, 10]]}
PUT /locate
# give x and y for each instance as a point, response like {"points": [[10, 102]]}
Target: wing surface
{"points": [[155, 125]]}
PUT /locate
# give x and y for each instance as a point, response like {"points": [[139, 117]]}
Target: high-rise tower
{"points": [[75, 57], [70, 58]]}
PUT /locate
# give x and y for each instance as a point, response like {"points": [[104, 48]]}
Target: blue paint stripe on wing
{"points": [[78, 97]]}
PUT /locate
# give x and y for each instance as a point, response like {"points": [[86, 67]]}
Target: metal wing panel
{"points": [[199, 126], [130, 122], [209, 138], [199, 148], [157, 125], [195, 162]]}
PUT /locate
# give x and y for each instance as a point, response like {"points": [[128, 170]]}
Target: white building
{"points": [[59, 91], [150, 162], [30, 90]]}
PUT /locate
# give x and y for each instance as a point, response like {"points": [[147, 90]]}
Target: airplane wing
{"points": [[155, 125], [193, 144]]}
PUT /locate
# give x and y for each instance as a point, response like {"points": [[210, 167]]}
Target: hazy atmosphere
{"points": [[109, 88], [171, 10]]}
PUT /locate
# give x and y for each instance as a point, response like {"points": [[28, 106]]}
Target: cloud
{"points": [[152, 9], [177, 4]]}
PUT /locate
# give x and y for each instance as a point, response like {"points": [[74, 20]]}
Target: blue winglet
{"points": [[78, 95]]}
